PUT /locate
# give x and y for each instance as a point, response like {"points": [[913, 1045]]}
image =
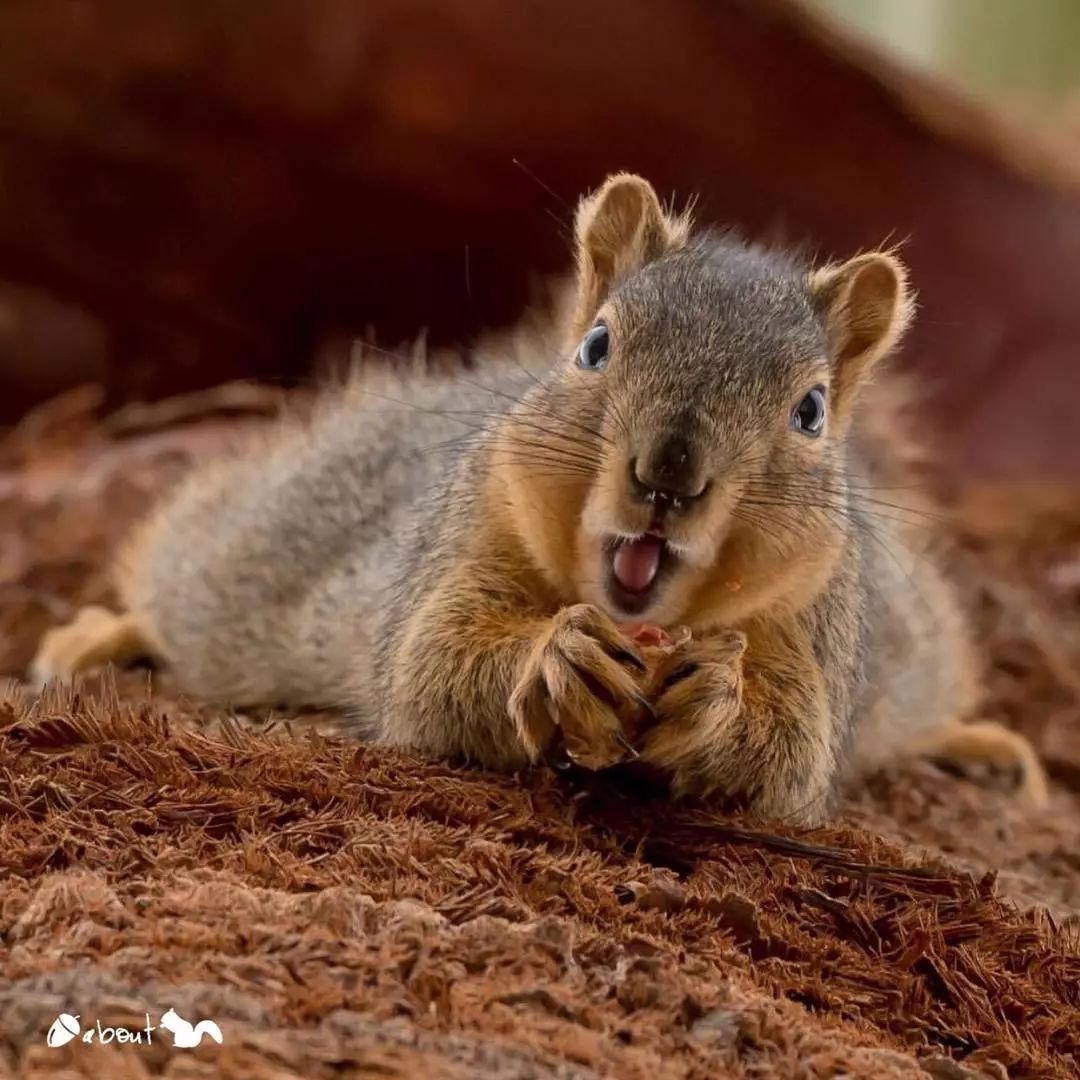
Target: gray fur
{"points": [[267, 574]]}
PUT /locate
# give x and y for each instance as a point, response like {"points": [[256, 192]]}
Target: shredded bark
{"points": [[341, 910]]}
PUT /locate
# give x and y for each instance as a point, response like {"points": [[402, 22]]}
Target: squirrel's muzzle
{"points": [[669, 471]]}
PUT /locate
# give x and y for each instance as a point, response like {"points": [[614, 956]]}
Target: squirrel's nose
{"points": [[668, 471]]}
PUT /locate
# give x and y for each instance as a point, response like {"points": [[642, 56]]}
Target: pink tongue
{"points": [[637, 561]]}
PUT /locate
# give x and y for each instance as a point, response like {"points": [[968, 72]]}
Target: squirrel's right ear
{"points": [[619, 229]]}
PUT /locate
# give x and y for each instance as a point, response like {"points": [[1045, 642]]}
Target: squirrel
{"points": [[185, 1034], [452, 561]]}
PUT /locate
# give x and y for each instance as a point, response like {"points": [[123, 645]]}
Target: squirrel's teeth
{"points": [[637, 561]]}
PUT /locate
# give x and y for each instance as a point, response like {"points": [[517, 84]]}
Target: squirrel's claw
{"points": [[555, 757], [625, 656], [624, 742], [646, 706]]}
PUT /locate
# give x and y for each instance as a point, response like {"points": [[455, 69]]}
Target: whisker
{"points": [[811, 490], [871, 533]]}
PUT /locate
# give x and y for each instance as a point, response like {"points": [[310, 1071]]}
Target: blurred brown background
{"points": [[195, 192]]}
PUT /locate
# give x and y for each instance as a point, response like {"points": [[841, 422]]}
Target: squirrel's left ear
{"points": [[619, 229], [867, 306]]}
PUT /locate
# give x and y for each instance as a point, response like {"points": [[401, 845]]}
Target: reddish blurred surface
{"points": [[216, 189]]}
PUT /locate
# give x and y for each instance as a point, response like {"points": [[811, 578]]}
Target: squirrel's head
{"points": [[706, 398]]}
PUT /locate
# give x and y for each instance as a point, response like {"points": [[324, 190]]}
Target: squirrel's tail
{"points": [[207, 1027]]}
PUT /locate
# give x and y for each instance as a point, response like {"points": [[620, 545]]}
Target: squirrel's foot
{"points": [[580, 682], [93, 638], [986, 742]]}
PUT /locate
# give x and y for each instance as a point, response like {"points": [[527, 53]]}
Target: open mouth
{"points": [[635, 568]]}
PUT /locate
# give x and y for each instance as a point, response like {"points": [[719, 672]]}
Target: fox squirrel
{"points": [[696, 458]]}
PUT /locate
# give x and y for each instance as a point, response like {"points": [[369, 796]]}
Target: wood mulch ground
{"points": [[342, 911]]}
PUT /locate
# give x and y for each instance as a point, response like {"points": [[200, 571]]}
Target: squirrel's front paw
{"points": [[696, 694], [712, 736], [581, 681]]}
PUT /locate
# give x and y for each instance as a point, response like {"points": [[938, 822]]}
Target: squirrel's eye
{"points": [[809, 414], [592, 354]]}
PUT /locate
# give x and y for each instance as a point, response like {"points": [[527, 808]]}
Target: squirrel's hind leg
{"points": [[986, 742], [95, 637]]}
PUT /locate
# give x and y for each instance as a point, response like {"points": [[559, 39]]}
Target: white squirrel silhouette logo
{"points": [[186, 1035]]}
